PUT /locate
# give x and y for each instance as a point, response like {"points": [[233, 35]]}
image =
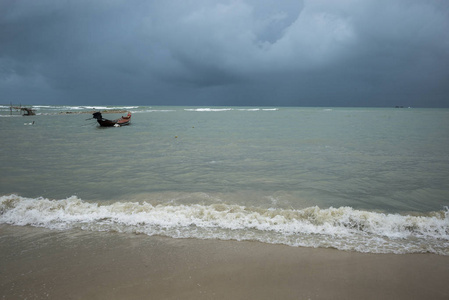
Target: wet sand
{"points": [[38, 263]]}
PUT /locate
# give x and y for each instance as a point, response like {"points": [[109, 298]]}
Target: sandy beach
{"points": [[43, 264]]}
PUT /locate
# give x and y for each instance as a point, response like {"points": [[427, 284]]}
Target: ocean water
{"points": [[371, 180]]}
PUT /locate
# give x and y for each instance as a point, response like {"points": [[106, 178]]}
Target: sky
{"points": [[358, 53]]}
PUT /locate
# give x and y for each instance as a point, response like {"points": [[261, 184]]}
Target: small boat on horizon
{"points": [[124, 120]]}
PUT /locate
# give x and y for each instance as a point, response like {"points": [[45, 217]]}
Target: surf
{"points": [[342, 228]]}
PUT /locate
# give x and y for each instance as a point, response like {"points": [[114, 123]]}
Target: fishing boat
{"points": [[124, 120]]}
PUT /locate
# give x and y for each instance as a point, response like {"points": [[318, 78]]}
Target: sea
{"points": [[373, 180]]}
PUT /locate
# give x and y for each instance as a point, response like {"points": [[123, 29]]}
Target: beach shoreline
{"points": [[39, 263]]}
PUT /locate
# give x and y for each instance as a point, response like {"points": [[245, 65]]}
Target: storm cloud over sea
{"points": [[284, 53]]}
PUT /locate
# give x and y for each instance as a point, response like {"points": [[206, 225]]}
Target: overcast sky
{"points": [[225, 52]]}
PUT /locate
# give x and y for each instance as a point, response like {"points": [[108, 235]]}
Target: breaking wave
{"points": [[216, 109], [207, 109], [342, 228]]}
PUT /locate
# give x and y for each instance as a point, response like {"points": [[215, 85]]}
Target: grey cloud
{"points": [[253, 52]]}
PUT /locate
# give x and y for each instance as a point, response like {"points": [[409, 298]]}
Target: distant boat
{"points": [[25, 110], [124, 120]]}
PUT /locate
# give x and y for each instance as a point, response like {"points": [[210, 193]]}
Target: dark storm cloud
{"points": [[204, 52]]}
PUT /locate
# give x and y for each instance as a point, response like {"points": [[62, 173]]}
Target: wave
{"points": [[80, 107], [342, 228], [229, 109], [62, 107], [157, 110], [110, 107], [207, 109]]}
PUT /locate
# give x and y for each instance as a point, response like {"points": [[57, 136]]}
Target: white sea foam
{"points": [[208, 109], [159, 110], [342, 228], [257, 109], [43, 106]]}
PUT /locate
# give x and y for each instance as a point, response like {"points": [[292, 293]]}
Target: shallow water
{"points": [[347, 178]]}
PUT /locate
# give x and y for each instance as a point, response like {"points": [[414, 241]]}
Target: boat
{"points": [[124, 120], [26, 111]]}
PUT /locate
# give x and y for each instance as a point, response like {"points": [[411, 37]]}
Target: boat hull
{"points": [[123, 121]]}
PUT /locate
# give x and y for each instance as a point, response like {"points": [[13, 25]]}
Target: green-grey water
{"points": [[381, 160]]}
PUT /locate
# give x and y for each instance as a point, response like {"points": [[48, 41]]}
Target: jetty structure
{"points": [[26, 111]]}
